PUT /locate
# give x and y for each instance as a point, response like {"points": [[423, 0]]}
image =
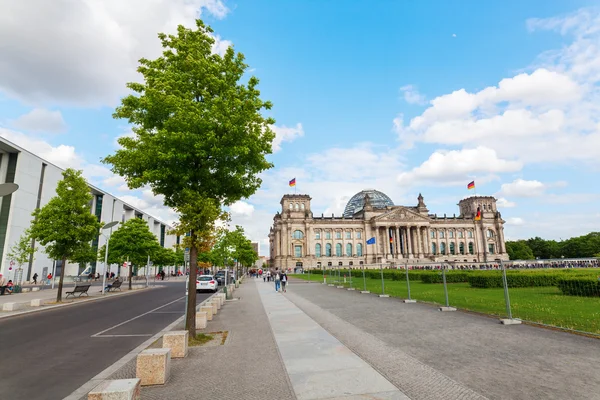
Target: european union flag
{"points": [[371, 241]]}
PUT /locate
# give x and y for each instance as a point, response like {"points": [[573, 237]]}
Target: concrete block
{"points": [[11, 306], [120, 389], [384, 295], [329, 284], [209, 312], [35, 289], [153, 366], [365, 291], [177, 341], [340, 287], [447, 309], [201, 320], [25, 290], [214, 306], [410, 301], [37, 302], [510, 321], [217, 302], [351, 288]]}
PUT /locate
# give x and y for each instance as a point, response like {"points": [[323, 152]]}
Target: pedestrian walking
{"points": [[277, 280], [49, 278], [284, 279], [35, 276]]}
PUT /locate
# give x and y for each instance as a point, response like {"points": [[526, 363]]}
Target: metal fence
{"points": [[563, 293]]}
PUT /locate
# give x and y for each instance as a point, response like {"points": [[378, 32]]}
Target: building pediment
{"points": [[400, 214]]}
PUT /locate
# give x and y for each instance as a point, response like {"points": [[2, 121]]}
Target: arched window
{"points": [[298, 235], [291, 206], [471, 251], [297, 207], [302, 206], [452, 248], [338, 249], [318, 250], [461, 248], [359, 249], [348, 249], [443, 248], [433, 248], [328, 250]]}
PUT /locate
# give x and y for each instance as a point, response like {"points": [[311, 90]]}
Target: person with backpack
{"points": [[277, 280], [284, 279], [35, 276]]}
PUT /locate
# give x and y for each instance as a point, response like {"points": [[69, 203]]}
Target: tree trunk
{"points": [[60, 281], [190, 322], [130, 267]]}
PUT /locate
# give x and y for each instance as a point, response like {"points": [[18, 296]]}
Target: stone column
{"points": [[447, 242], [419, 241], [399, 244], [409, 241]]}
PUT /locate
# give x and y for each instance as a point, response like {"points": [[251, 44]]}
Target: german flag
{"points": [[471, 185], [293, 182], [478, 215]]}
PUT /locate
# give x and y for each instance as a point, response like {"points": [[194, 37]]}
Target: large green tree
{"points": [[199, 136], [133, 241], [65, 226], [519, 250]]}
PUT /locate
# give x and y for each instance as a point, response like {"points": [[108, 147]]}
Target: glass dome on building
{"points": [[357, 202]]}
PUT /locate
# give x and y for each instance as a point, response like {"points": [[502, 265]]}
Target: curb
{"points": [[52, 307], [84, 389]]}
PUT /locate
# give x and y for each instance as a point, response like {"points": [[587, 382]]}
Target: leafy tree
{"points": [[65, 226], [200, 138], [22, 251], [519, 250], [133, 241]]}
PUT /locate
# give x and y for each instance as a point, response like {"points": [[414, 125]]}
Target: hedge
{"points": [[456, 277], [579, 286], [521, 279]]}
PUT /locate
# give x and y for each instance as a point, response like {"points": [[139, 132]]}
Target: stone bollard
{"points": [[221, 297], [11, 306], [201, 320], [209, 312], [35, 289], [214, 306], [119, 389], [177, 341], [37, 302], [153, 366], [217, 301]]}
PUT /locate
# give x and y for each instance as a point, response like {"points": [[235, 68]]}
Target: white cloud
{"points": [[454, 35], [242, 208], [285, 134], [89, 49], [221, 45], [41, 120], [515, 221], [504, 203], [456, 166], [412, 96], [523, 188], [153, 205]]}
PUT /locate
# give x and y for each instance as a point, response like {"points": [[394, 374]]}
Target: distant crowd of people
{"points": [[280, 278], [590, 263]]}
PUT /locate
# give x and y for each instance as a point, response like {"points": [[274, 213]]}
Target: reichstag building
{"points": [[402, 234]]}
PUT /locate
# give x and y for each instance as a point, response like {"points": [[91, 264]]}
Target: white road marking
{"points": [[124, 335], [134, 318]]}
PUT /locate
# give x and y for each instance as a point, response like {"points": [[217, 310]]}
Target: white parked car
{"points": [[206, 282]]}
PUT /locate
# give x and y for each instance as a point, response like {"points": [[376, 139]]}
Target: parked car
{"points": [[206, 282], [220, 276]]}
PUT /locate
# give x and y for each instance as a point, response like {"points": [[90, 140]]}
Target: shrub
{"points": [[451, 277], [579, 286]]}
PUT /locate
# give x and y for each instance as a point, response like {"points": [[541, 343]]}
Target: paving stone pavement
{"points": [[248, 366], [433, 355]]}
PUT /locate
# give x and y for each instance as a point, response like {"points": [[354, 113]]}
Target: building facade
{"points": [[37, 180], [401, 234]]}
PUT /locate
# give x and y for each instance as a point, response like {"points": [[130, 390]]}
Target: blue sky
{"points": [[404, 97]]}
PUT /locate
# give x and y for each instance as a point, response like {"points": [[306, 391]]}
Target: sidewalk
{"points": [[49, 296]]}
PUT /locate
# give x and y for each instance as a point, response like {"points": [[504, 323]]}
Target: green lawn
{"points": [[544, 305]]}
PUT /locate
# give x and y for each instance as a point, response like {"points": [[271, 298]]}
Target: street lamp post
{"points": [[110, 225]]}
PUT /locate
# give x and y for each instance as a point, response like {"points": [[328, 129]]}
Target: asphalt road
{"points": [[50, 354]]}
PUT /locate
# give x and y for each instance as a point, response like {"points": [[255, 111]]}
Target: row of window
{"points": [[338, 234], [297, 206], [459, 234], [338, 250], [461, 248]]}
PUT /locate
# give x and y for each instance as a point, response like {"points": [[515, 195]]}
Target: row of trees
{"points": [[581, 246]]}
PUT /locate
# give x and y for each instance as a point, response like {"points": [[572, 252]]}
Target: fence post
{"points": [[364, 281], [510, 320], [409, 300], [350, 272], [382, 283], [447, 306]]}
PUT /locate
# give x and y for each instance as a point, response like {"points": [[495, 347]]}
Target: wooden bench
{"points": [[115, 285], [81, 289]]}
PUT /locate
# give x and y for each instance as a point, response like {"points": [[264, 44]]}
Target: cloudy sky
{"points": [[404, 97]]}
